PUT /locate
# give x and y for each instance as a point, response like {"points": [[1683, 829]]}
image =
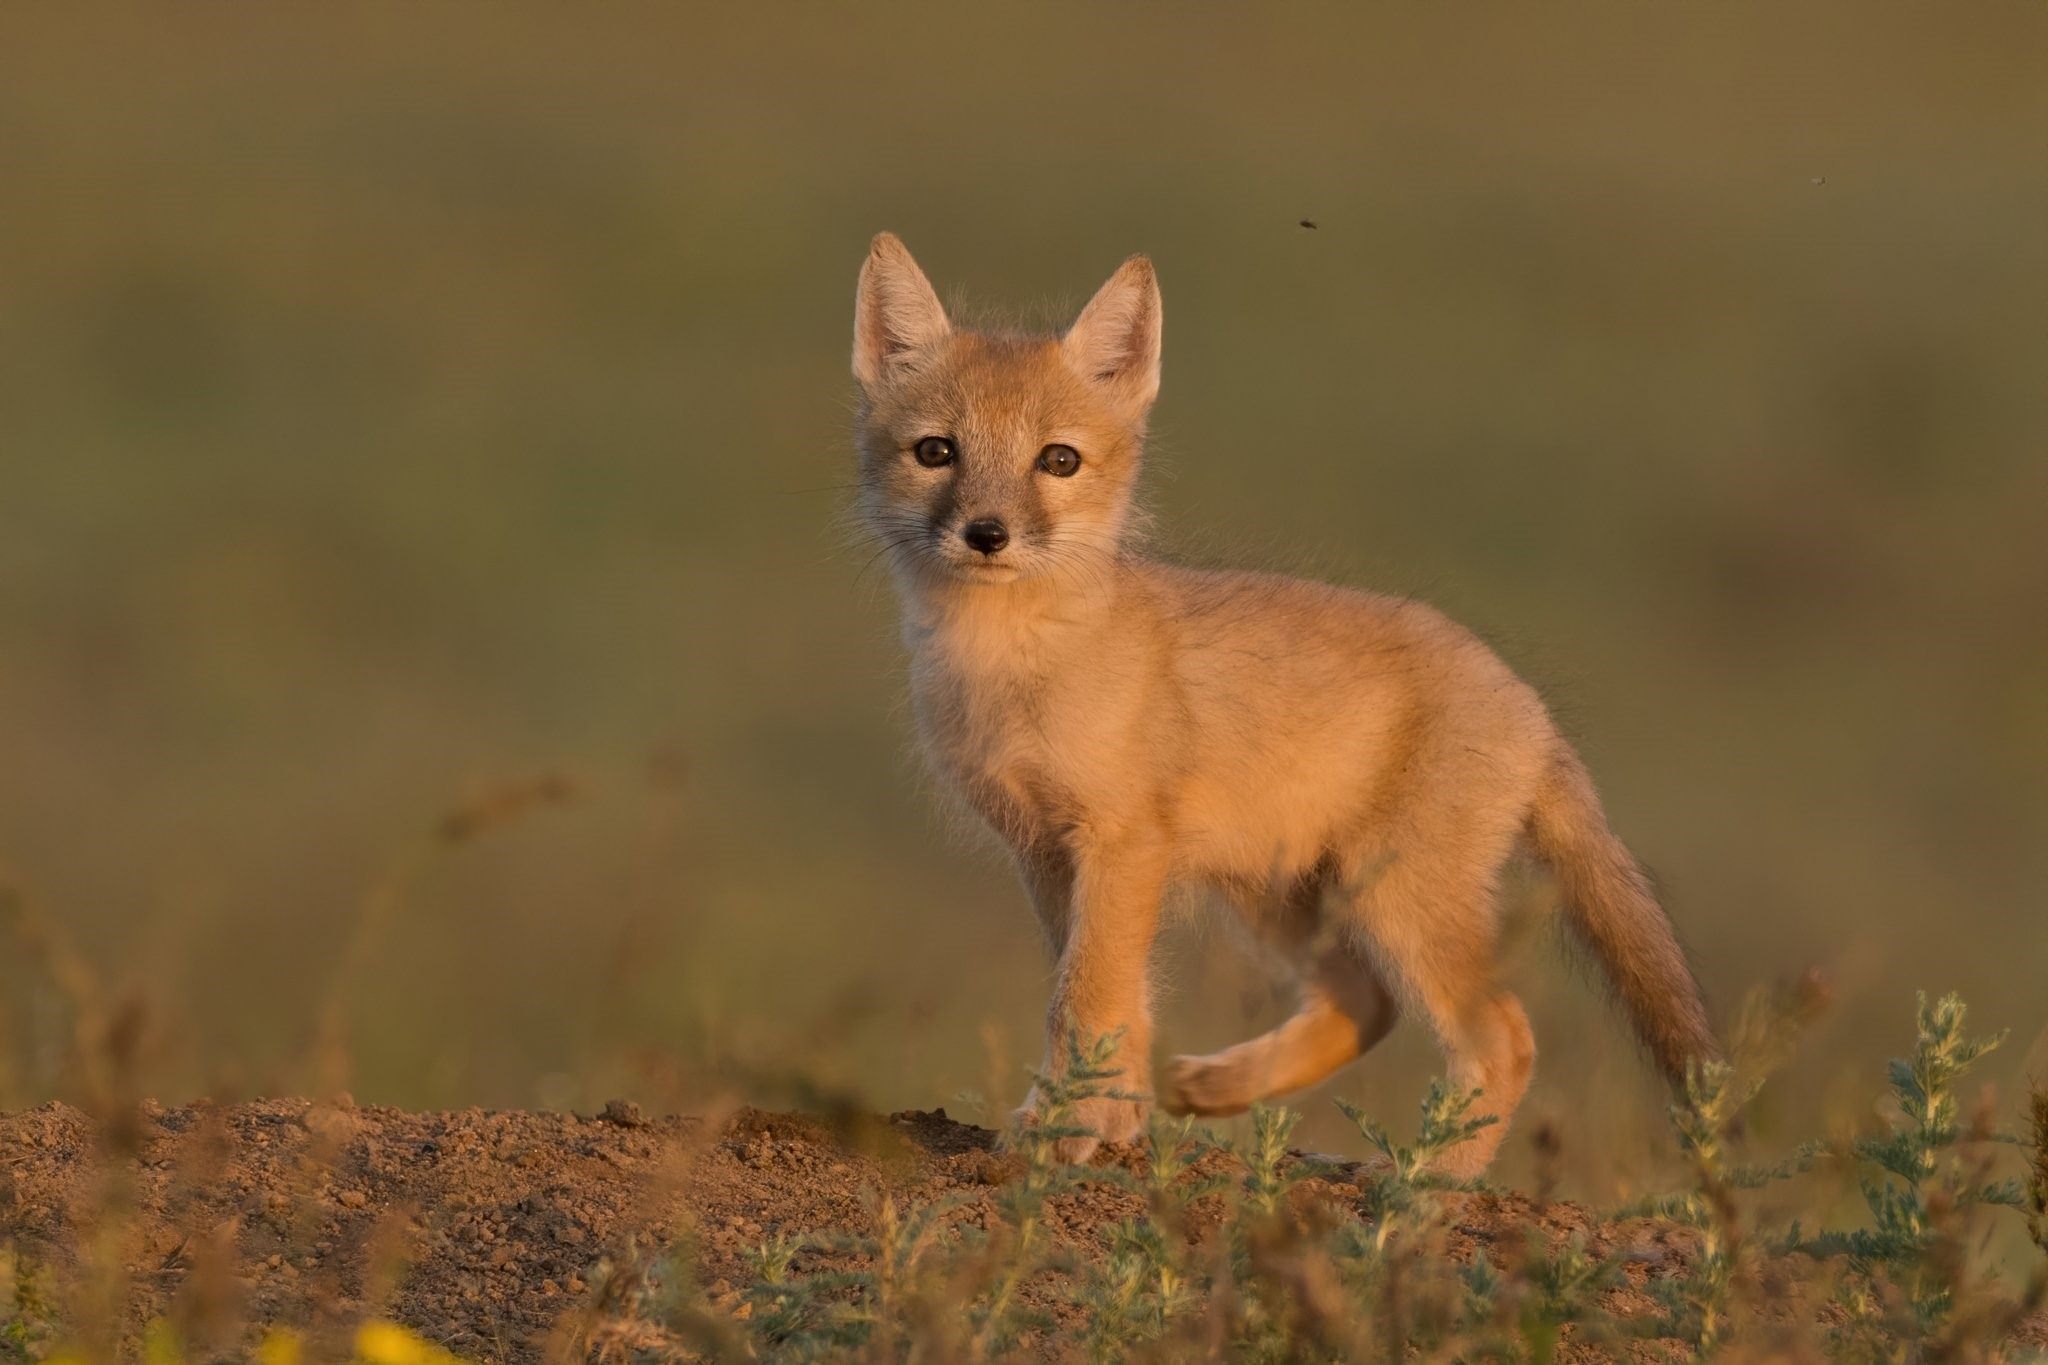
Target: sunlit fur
{"points": [[1351, 770]]}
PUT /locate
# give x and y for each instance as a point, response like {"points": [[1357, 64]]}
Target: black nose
{"points": [[986, 535]]}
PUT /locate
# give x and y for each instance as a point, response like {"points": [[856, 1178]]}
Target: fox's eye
{"points": [[1060, 461], [934, 451]]}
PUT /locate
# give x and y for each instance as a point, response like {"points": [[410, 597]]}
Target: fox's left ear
{"points": [[1115, 341]]}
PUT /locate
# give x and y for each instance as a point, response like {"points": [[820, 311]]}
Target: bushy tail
{"points": [[1610, 907]]}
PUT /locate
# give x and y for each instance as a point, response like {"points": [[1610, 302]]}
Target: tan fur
{"points": [[1352, 770]]}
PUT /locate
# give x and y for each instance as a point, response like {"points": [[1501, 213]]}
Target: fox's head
{"points": [[986, 458]]}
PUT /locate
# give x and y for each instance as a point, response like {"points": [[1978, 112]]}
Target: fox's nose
{"points": [[986, 534]]}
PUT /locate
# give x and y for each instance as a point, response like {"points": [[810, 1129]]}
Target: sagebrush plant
{"points": [[1089, 1071], [1149, 1278], [1705, 1117], [1391, 1264], [1923, 1181], [1563, 1289], [1403, 1190]]}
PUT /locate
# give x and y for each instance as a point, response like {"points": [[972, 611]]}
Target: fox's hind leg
{"points": [[1345, 1009], [1432, 924]]}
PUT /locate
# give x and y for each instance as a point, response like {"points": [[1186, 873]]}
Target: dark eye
{"points": [[934, 451], [1060, 461]]}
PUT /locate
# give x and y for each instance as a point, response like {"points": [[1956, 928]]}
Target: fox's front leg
{"points": [[1099, 907]]}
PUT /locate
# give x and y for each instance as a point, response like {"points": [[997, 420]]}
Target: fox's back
{"points": [[1312, 708]]}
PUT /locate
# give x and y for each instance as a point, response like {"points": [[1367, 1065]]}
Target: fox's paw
{"points": [[1211, 1086], [1105, 1119], [1469, 1159]]}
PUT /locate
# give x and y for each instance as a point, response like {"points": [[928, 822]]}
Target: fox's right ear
{"points": [[895, 311]]}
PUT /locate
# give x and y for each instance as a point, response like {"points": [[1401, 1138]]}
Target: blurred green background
{"points": [[397, 401]]}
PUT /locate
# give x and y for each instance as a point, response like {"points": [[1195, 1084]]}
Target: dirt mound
{"points": [[508, 1235], [492, 1232]]}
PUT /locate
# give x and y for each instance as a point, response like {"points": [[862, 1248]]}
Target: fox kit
{"points": [[1351, 771]]}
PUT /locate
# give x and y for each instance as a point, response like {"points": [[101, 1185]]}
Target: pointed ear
{"points": [[1115, 341], [894, 311]]}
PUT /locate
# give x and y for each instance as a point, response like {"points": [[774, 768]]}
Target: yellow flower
{"points": [[281, 1346], [384, 1343]]}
